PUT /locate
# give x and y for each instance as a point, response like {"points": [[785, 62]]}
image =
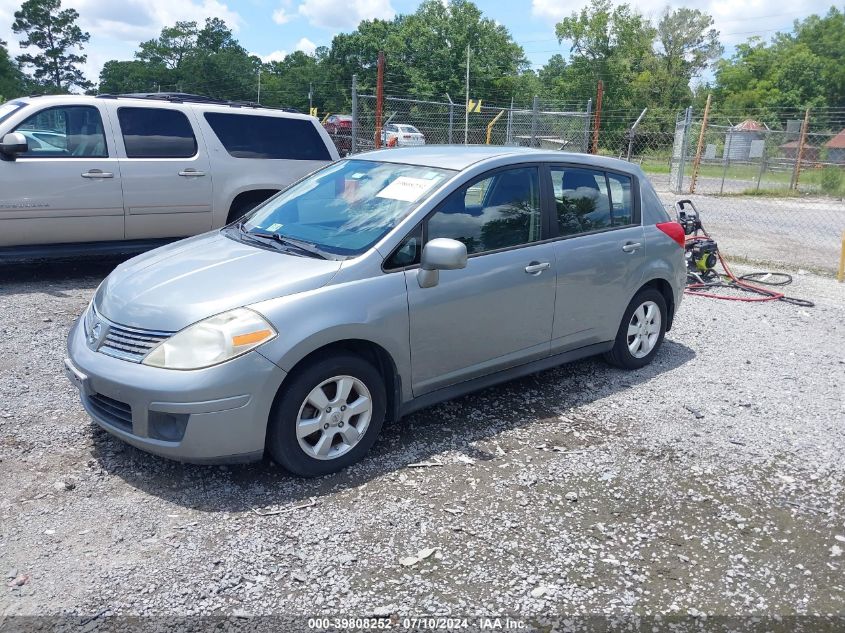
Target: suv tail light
{"points": [[673, 230]]}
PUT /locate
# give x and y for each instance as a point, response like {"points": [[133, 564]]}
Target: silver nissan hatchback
{"points": [[377, 285]]}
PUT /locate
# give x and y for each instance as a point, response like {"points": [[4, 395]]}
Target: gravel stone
{"points": [[737, 512]]}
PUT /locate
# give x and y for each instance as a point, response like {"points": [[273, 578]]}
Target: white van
{"points": [[88, 172]]}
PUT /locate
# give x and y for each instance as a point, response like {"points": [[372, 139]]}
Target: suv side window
{"points": [[65, 132], [590, 200], [268, 137], [156, 133], [498, 211]]}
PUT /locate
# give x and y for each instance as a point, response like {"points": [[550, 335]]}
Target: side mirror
{"points": [[440, 254], [13, 144]]}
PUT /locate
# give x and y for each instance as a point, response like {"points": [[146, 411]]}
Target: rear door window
{"points": [[156, 133], [589, 200], [268, 137]]}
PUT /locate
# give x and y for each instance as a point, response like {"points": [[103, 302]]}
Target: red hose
{"points": [[768, 295]]}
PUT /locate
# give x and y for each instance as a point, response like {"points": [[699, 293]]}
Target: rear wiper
{"points": [[303, 247]]}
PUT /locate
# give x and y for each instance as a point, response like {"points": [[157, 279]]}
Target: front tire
{"points": [[328, 416], [641, 332]]}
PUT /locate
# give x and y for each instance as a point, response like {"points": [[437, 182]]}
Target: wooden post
{"points": [[697, 162], [841, 275], [797, 175], [379, 97], [597, 121]]}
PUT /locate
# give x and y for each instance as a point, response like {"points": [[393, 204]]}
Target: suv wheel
{"points": [[641, 332], [328, 417]]}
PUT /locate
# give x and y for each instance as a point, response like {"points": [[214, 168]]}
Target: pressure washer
{"points": [[703, 257]]}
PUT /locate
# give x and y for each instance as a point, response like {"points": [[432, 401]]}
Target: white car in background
{"points": [[401, 135]]}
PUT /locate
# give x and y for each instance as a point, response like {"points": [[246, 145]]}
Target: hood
{"points": [[171, 287]]}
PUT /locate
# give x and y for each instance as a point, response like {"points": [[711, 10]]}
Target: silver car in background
{"points": [[376, 286]]}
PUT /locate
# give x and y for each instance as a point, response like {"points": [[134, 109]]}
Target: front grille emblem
{"points": [[96, 333]]}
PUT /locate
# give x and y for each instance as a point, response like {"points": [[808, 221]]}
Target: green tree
{"points": [[610, 43], [11, 79], [171, 47], [54, 31], [688, 45]]}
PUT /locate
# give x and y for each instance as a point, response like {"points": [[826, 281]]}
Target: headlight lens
{"points": [[212, 341]]}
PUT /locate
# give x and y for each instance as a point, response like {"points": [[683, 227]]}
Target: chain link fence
{"points": [[771, 192]]}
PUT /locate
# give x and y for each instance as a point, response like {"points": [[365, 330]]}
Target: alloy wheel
{"points": [[334, 417], [644, 329]]}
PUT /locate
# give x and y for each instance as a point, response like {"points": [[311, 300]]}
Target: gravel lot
{"points": [[711, 482]]}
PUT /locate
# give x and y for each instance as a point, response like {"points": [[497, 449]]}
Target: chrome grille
{"points": [[129, 343]]}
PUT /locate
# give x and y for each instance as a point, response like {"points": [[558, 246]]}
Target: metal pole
{"points": [[258, 100], [801, 145], [763, 159], [451, 117], [509, 132], [633, 131], [534, 108], [310, 97], [466, 114], [727, 158], [697, 162], [379, 98], [354, 145], [597, 125], [683, 160], [587, 119]]}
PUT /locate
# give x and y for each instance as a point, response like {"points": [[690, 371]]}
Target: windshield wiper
{"points": [[302, 247]]}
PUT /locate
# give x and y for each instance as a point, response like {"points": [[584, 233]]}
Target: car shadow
{"points": [[420, 437], [54, 276]]}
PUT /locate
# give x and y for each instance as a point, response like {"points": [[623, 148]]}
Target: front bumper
{"points": [[212, 415]]}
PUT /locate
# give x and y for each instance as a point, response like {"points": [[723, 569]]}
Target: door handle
{"points": [[97, 173], [535, 268], [191, 172], [630, 247]]}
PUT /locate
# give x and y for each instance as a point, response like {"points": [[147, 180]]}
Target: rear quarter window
{"points": [[268, 137]]}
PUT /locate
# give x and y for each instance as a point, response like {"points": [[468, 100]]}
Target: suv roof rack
{"points": [[185, 97]]}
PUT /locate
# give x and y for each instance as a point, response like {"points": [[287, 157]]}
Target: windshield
{"points": [[8, 108], [347, 207], [410, 129]]}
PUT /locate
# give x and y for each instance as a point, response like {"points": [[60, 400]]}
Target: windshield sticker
{"points": [[274, 227], [405, 188]]}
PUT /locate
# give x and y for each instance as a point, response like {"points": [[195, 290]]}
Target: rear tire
{"points": [[641, 332], [327, 416]]}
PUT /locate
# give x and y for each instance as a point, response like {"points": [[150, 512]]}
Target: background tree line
{"points": [[642, 63]]}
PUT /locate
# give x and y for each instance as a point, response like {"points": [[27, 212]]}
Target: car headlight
{"points": [[212, 341]]}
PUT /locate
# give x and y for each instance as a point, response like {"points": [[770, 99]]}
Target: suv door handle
{"points": [[97, 173], [191, 172], [631, 247], [535, 268]]}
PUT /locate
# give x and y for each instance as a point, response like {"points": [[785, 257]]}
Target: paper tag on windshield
{"points": [[405, 188], [274, 227]]}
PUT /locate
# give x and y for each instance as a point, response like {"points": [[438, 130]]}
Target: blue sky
{"points": [[273, 28]]}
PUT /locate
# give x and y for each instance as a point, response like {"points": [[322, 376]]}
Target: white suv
{"points": [[77, 170]]}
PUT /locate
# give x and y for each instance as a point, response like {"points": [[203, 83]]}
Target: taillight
{"points": [[673, 230]]}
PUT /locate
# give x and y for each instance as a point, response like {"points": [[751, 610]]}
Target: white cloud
{"points": [[736, 20], [281, 16], [116, 28], [306, 46], [345, 14], [275, 56]]}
